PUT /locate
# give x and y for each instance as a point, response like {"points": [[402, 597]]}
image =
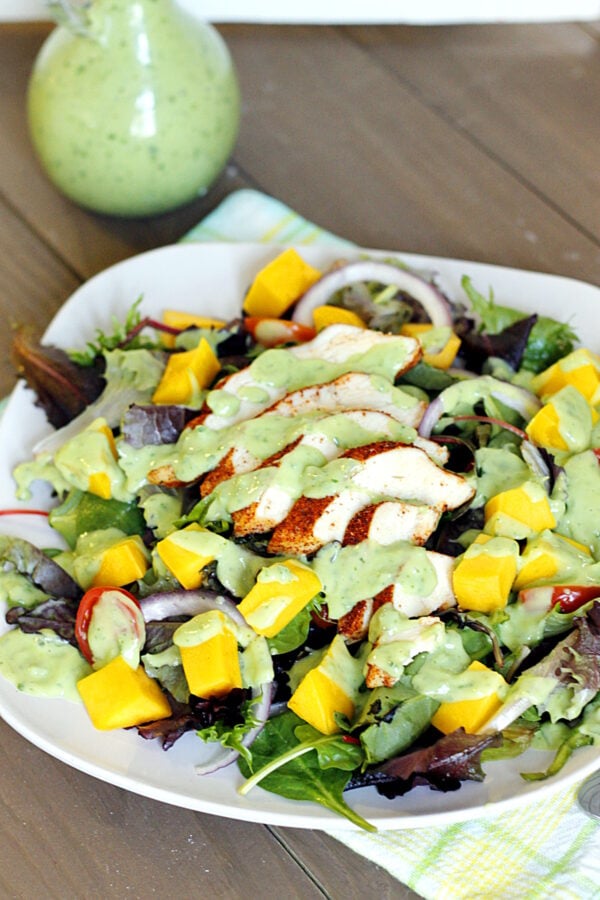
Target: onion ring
{"points": [[431, 299]]}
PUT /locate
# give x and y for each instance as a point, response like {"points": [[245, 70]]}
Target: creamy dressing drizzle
{"points": [[42, 664]]}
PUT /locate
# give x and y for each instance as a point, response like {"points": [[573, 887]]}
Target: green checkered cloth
{"points": [[542, 850]]}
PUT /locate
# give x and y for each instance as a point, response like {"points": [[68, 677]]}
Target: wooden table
{"points": [[472, 142]]}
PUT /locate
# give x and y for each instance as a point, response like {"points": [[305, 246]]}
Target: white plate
{"points": [[209, 278]]}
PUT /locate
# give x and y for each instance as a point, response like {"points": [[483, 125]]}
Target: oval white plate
{"points": [[212, 278]]}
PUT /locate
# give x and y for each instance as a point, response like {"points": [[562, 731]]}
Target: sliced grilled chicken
{"points": [[392, 520], [275, 504], [355, 390], [420, 639], [319, 432], [413, 605], [406, 472], [387, 470], [341, 344], [235, 462]]}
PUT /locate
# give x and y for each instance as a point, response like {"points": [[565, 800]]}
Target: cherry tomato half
{"points": [[109, 622], [570, 597]]}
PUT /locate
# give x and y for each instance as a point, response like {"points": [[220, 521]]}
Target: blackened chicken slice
{"points": [[276, 501], [342, 344], [384, 470], [354, 390]]}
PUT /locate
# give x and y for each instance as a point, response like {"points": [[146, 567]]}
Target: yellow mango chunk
{"points": [[565, 422], [99, 482], [441, 359], [323, 316], [281, 591], [544, 429], [580, 369], [550, 557], [123, 563], [186, 565], [520, 512], [182, 320], [468, 714], [117, 696], [316, 700], [483, 577], [212, 668], [331, 687], [186, 373], [279, 284]]}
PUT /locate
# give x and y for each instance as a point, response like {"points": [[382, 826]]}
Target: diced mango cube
{"points": [[102, 426], [328, 688], [519, 512], [279, 284], [185, 564], [580, 369], [99, 484], [323, 316], [483, 576], [212, 668], [117, 696], [123, 562], [441, 359], [182, 320], [316, 700], [468, 714], [284, 589], [544, 428], [185, 373], [552, 425], [550, 556]]}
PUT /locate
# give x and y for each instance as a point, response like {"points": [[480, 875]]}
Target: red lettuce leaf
{"points": [[63, 389], [195, 715], [56, 614], [443, 766]]}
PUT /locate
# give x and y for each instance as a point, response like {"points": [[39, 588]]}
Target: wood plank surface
{"points": [[389, 170], [474, 142], [525, 96]]}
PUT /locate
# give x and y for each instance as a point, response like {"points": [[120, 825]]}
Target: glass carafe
{"points": [[133, 105]]}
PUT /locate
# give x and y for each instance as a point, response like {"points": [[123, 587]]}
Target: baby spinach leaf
{"points": [[81, 512], [294, 634], [284, 765], [399, 731]]}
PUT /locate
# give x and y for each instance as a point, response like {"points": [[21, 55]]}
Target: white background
{"points": [[366, 11]]}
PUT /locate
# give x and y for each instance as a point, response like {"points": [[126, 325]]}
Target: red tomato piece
{"points": [[271, 332], [124, 603], [570, 597]]}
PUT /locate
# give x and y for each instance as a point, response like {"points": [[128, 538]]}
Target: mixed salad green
{"points": [[349, 538]]}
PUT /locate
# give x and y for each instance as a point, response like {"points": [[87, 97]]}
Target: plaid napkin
{"points": [[547, 849]]}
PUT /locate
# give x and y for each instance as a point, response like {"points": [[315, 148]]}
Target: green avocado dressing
{"points": [[236, 567], [200, 449], [496, 469], [18, 590], [575, 419], [42, 664], [350, 574], [580, 486]]}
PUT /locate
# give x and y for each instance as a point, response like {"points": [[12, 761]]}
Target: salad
{"points": [[347, 538]]}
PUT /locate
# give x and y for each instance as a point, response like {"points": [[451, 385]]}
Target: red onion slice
{"points": [[164, 604], [261, 711], [517, 398], [431, 299]]}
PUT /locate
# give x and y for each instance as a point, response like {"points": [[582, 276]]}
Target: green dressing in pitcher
{"points": [[133, 105]]}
